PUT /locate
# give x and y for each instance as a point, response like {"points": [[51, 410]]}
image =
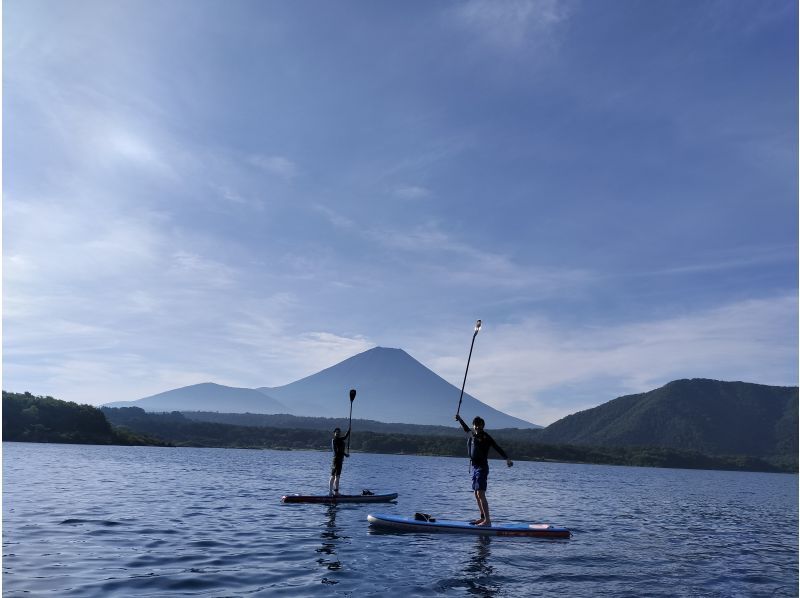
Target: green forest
{"points": [[29, 418]]}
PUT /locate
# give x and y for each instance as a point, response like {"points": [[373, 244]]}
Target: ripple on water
{"points": [[155, 522]]}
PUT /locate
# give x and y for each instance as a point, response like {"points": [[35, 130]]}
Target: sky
{"points": [[246, 192]]}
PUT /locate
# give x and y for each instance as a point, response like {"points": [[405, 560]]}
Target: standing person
{"points": [[338, 446], [479, 444]]}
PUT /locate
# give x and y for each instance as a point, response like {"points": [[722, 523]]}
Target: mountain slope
{"points": [[702, 415], [208, 397], [392, 387]]}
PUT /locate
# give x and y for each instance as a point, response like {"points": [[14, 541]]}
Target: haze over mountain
{"points": [[708, 416], [208, 397], [392, 387]]}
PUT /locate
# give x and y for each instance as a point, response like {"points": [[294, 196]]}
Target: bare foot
{"points": [[485, 523]]}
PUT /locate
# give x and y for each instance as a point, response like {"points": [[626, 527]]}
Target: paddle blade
{"points": [[352, 394]]}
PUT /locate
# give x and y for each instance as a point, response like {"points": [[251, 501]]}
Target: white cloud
{"points": [[337, 219], [512, 23], [233, 197], [412, 192], [277, 165], [459, 263], [540, 371], [195, 269]]}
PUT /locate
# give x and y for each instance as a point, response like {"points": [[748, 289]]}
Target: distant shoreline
{"points": [[409, 454]]}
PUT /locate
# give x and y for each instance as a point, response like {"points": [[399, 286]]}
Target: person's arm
{"points": [[463, 425], [500, 451], [346, 436]]}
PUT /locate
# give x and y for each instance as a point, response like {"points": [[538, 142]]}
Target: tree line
{"points": [[183, 431], [29, 418]]}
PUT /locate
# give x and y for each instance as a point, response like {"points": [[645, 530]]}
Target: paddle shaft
{"points": [[350, 423], [463, 384]]}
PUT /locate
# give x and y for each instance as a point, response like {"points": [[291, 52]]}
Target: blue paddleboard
{"points": [[410, 524]]}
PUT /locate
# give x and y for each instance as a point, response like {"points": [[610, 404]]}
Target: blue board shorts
{"points": [[480, 476]]}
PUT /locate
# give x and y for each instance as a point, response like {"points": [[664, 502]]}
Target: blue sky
{"points": [[246, 192]]}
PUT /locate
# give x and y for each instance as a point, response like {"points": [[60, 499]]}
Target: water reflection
{"points": [[479, 570], [328, 558]]}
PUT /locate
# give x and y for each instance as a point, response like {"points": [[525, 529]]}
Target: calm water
{"points": [[143, 521]]}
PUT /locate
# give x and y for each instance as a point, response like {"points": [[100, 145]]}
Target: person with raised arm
{"points": [[479, 444]]}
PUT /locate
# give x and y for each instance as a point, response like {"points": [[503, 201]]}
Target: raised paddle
{"points": [[349, 425], [477, 329]]}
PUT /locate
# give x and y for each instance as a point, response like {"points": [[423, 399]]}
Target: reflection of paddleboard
{"points": [[327, 498], [411, 524]]}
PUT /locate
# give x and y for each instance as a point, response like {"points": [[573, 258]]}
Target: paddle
{"points": [[349, 425], [477, 329]]}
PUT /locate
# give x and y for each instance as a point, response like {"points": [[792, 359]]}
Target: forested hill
{"points": [[29, 418], [708, 416]]}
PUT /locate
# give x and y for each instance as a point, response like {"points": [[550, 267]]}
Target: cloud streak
{"points": [[512, 24], [540, 371]]}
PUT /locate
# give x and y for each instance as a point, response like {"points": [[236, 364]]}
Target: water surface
{"points": [[144, 521]]}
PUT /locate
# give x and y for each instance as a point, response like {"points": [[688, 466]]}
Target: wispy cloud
{"points": [[432, 252], [277, 165], [512, 23], [541, 371], [740, 257], [285, 355], [336, 218], [412, 192], [459, 262]]}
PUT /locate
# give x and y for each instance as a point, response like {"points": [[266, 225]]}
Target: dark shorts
{"points": [[480, 476], [336, 467]]}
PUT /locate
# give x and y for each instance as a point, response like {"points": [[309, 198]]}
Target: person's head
{"points": [[478, 423], [337, 432]]}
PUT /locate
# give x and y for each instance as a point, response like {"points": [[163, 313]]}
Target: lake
{"points": [[105, 521]]}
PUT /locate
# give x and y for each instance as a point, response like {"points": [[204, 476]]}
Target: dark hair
{"points": [[337, 430], [478, 421]]}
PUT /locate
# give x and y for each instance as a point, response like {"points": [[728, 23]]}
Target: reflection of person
{"points": [[338, 446], [479, 444]]}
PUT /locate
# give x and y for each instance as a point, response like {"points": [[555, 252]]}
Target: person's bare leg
{"points": [[480, 506], [484, 506], [336, 486]]}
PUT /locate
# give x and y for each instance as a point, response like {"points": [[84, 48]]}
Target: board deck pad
{"points": [[328, 499], [410, 524]]}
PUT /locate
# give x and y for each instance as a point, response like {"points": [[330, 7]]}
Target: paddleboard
{"points": [[410, 524], [328, 499]]}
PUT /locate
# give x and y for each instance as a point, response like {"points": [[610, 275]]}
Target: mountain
{"points": [[392, 387], [708, 416], [208, 397]]}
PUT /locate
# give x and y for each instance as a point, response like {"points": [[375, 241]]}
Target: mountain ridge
{"points": [[710, 416], [392, 386]]}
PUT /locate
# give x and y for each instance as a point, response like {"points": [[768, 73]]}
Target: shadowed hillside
{"points": [[708, 416]]}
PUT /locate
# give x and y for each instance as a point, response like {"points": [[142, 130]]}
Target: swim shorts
{"points": [[479, 478]]}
